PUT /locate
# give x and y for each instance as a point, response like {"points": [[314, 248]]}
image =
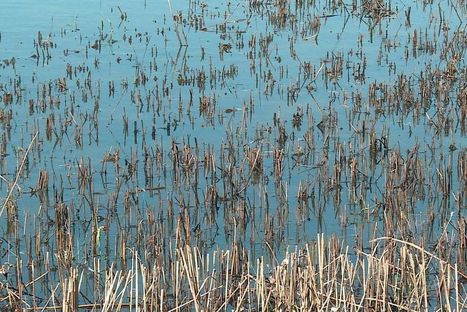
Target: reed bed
{"points": [[251, 156], [392, 275]]}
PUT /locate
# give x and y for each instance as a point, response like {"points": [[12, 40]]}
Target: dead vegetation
{"points": [[224, 135]]}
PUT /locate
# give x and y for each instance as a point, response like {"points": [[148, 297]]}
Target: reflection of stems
{"points": [[184, 43], [20, 169], [177, 23]]}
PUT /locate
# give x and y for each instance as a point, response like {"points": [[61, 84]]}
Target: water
{"points": [[259, 69]]}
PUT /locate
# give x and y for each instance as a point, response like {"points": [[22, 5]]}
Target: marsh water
{"points": [[143, 125]]}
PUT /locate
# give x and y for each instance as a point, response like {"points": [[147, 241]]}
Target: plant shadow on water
{"points": [[251, 155]]}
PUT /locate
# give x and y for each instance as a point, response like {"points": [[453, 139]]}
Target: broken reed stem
{"points": [[421, 250], [18, 173], [176, 28]]}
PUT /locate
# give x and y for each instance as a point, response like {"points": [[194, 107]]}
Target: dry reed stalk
{"points": [[187, 261]]}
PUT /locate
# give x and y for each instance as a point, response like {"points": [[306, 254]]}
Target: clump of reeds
{"points": [[323, 275], [376, 8], [255, 159]]}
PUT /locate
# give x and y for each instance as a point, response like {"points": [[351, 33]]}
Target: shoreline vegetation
{"points": [[392, 275]]}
